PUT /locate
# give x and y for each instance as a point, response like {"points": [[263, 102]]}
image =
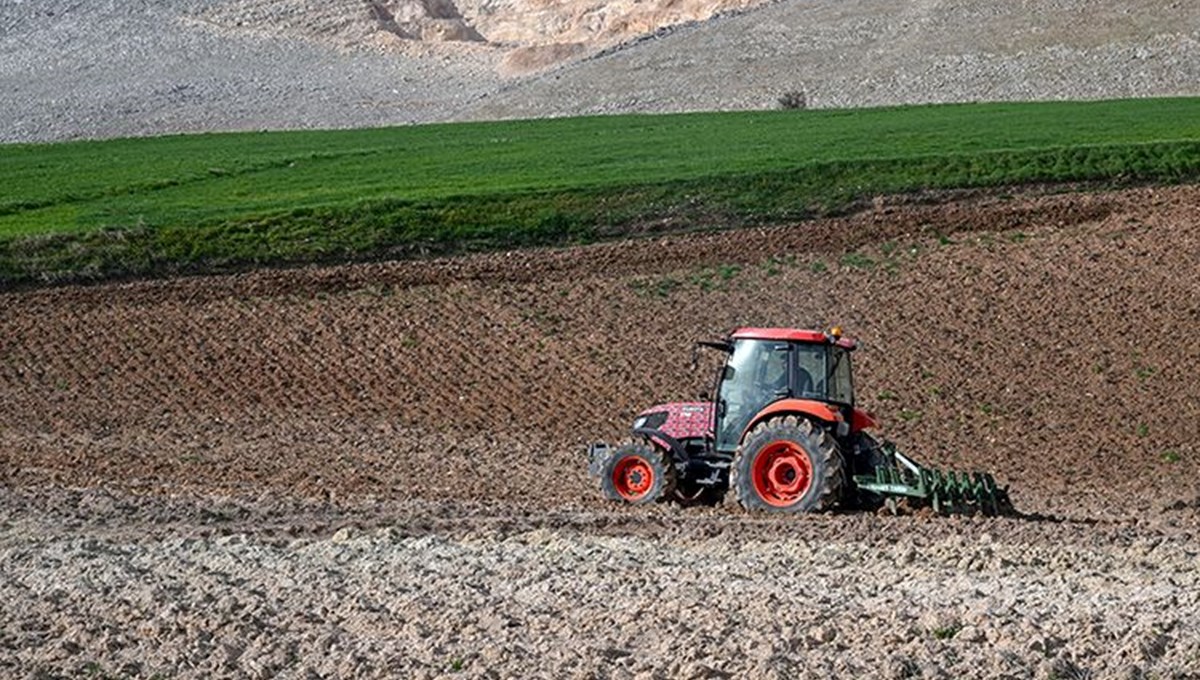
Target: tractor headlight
{"points": [[650, 420]]}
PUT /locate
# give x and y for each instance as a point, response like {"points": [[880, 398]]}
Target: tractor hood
{"points": [[680, 420]]}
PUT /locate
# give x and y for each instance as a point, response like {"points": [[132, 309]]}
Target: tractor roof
{"points": [[791, 335]]}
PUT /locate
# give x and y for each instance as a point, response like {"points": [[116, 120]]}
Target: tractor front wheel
{"points": [[786, 464], [636, 473]]}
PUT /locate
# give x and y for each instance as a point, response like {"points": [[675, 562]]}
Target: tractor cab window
{"points": [[755, 375], [823, 372], [810, 371], [841, 389]]}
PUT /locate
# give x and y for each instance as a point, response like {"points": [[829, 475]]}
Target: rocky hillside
{"points": [[850, 53], [121, 67], [527, 35]]}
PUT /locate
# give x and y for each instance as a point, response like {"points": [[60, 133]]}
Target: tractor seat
{"points": [[804, 383]]}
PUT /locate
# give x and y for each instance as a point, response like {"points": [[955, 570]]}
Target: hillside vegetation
{"points": [[100, 209]]}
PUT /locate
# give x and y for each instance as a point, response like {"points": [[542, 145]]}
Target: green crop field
{"points": [[84, 210]]}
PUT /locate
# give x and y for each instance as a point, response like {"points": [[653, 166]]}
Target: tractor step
{"points": [[946, 493]]}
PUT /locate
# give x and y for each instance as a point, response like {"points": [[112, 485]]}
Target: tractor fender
{"points": [[818, 410], [862, 420]]}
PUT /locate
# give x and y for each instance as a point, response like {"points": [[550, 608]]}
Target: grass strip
{"points": [[402, 228]]}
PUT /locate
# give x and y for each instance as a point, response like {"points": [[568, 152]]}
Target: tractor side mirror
{"points": [[729, 372], [704, 396]]}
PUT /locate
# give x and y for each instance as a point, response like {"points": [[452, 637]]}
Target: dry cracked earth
{"points": [[377, 470]]}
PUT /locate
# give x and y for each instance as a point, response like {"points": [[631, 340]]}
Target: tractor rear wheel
{"points": [[637, 473], [786, 464]]}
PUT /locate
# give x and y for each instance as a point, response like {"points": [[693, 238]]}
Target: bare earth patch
{"points": [[377, 469]]}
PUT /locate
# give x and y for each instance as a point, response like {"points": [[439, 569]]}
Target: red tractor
{"points": [[784, 434]]}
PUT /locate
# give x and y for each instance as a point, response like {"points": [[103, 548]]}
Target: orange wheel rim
{"points": [[782, 473], [633, 477]]}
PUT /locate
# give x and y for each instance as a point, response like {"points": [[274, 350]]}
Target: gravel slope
{"points": [[851, 53], [126, 67]]}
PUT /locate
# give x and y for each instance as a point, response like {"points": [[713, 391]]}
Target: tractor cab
{"points": [[770, 370]]}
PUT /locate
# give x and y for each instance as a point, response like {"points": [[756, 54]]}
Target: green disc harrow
{"points": [[901, 480]]}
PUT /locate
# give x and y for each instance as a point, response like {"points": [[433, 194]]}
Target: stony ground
{"points": [[124, 67], [377, 470], [128, 67], [112, 586]]}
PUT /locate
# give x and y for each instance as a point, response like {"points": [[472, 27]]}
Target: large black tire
{"points": [[788, 464], [636, 473]]}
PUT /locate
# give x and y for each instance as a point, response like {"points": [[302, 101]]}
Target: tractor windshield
{"points": [[756, 374]]}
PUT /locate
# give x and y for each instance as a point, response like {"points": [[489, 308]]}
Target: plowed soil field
{"points": [[378, 470]]}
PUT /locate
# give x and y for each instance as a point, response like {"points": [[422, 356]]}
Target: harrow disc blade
{"points": [[906, 483]]}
